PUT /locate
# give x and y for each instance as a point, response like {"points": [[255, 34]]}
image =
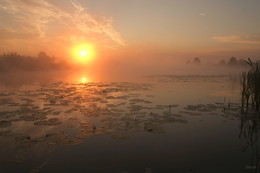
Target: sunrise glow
{"points": [[83, 53], [84, 80], [130, 86]]}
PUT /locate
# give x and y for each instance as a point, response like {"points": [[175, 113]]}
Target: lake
{"points": [[161, 124]]}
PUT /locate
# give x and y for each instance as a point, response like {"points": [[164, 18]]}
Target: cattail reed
{"points": [[250, 83]]}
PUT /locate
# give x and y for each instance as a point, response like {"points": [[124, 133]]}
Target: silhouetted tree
{"points": [[232, 61], [13, 62], [196, 60], [42, 54]]}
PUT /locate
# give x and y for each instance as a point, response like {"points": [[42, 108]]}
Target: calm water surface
{"points": [[163, 124]]}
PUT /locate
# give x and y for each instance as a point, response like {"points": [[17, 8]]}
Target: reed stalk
{"points": [[250, 83]]}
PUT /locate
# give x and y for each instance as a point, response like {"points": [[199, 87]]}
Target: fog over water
{"points": [[129, 86], [17, 70], [136, 117]]}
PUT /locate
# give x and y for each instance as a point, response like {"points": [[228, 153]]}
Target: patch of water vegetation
{"points": [[66, 114]]}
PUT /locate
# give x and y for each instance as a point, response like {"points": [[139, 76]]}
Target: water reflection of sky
{"points": [[166, 124]]}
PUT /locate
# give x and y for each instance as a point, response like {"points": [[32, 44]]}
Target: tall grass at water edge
{"points": [[250, 83]]}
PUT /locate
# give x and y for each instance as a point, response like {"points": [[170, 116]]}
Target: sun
{"points": [[83, 53], [84, 80]]}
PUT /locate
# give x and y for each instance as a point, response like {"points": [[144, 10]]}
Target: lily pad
{"points": [[49, 122], [4, 124]]}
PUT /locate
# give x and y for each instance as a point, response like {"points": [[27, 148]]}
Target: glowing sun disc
{"points": [[84, 80], [83, 53]]}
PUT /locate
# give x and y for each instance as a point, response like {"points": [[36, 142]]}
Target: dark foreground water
{"points": [[167, 124]]}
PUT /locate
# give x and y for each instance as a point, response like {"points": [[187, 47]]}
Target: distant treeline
{"points": [[11, 62], [233, 61]]}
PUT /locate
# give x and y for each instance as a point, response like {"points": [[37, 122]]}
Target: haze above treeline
{"points": [[10, 62]]}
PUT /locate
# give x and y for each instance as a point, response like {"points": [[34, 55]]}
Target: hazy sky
{"points": [[133, 28]]}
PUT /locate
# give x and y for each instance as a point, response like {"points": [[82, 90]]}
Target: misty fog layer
{"points": [[13, 62], [17, 70]]}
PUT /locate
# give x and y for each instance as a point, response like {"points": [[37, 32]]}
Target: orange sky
{"points": [[133, 30]]}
